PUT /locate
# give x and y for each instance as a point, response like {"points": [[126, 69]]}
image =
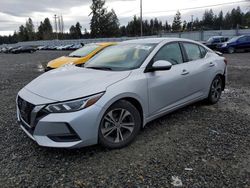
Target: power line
{"points": [[200, 7], [191, 8], [127, 11]]}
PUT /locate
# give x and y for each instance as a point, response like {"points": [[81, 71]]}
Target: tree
{"points": [[45, 30], [30, 29], [208, 19], [103, 23], [86, 34], [184, 26], [22, 34], [75, 31], [176, 26], [111, 25], [167, 26]]}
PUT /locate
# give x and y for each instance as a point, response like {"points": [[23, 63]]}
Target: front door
{"points": [[167, 89]]}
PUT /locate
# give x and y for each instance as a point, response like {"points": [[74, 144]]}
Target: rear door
{"points": [[242, 43], [199, 66]]}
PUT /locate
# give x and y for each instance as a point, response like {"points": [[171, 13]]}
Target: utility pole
{"points": [[192, 21], [55, 17], [59, 25], [62, 24], [141, 18]]}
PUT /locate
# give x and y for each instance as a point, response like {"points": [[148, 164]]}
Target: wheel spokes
{"points": [[128, 126], [123, 115], [118, 125], [109, 117], [107, 131]]}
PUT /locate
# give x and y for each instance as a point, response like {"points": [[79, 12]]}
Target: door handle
{"points": [[184, 72], [211, 64]]}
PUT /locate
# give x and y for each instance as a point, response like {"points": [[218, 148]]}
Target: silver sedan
{"points": [[118, 92]]}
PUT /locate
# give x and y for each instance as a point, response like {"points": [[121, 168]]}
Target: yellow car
{"points": [[79, 56]]}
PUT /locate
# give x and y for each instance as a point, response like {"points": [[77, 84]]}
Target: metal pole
{"points": [[192, 21], [141, 17], [56, 26]]}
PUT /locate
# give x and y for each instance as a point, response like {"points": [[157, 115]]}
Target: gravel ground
{"points": [[197, 146]]}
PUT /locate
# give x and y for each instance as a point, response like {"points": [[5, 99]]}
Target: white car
{"points": [[118, 92]]}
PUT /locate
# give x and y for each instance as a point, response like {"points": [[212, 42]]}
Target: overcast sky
{"points": [[13, 13]]}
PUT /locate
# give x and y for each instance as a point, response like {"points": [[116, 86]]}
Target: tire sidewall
{"points": [[137, 119], [210, 98]]}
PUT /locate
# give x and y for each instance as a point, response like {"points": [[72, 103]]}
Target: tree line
{"points": [[105, 23]]}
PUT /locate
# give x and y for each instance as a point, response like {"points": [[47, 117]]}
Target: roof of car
{"points": [[155, 40], [219, 37]]}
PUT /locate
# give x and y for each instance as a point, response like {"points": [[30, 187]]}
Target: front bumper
{"points": [[223, 49], [64, 130]]}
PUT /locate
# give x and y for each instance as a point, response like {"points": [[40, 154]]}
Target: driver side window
{"points": [[170, 52]]}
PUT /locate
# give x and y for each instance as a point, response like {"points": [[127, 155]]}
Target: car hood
{"points": [[72, 82], [65, 60]]}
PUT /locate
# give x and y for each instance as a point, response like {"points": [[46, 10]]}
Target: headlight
{"points": [[224, 45], [74, 105]]}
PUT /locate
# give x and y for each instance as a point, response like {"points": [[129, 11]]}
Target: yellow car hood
{"points": [[65, 60]]}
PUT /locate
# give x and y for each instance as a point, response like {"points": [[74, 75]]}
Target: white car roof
{"points": [[156, 40]]}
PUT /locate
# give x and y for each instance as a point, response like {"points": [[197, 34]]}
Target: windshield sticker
{"points": [[143, 47]]}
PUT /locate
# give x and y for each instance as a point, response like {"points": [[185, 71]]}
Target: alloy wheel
{"points": [[216, 89], [118, 125]]}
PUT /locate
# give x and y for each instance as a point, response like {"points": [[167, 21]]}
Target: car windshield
{"points": [[234, 39], [210, 39], [214, 39], [121, 57], [84, 51]]}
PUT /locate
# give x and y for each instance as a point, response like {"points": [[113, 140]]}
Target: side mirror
{"points": [[161, 65]]}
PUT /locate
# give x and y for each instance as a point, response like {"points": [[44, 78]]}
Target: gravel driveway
{"points": [[197, 146]]}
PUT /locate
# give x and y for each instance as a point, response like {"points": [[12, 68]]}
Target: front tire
{"points": [[119, 125], [215, 90]]}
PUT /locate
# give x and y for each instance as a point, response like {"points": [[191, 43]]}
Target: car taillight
{"points": [[225, 61]]}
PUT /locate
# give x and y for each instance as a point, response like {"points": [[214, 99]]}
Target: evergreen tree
{"points": [[103, 23], [208, 19], [75, 31], [22, 34], [176, 26], [45, 30], [30, 29]]}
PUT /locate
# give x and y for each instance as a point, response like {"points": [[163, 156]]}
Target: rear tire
{"points": [[119, 125], [231, 50], [215, 90]]}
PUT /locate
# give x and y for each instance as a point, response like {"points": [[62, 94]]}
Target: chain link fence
{"points": [[194, 35]]}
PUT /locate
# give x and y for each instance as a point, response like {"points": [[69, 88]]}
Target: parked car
{"points": [[67, 47], [7, 50], [119, 91], [239, 43], [215, 42], [75, 47], [23, 49], [79, 56]]}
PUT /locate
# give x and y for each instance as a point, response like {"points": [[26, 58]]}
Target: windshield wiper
{"points": [[99, 68], [74, 56]]}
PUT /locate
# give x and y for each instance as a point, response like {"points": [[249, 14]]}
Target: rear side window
{"points": [[193, 51], [170, 52], [216, 40], [242, 39]]}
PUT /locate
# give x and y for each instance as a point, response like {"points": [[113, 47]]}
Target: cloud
{"points": [[13, 13]]}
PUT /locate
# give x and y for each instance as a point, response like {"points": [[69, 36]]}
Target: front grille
{"points": [[25, 109]]}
